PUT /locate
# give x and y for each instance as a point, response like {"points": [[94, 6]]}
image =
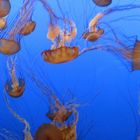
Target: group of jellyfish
{"points": [[59, 52]]}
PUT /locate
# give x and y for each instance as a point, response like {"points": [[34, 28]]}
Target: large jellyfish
{"points": [[16, 85], [26, 130], [102, 2], [23, 25]]}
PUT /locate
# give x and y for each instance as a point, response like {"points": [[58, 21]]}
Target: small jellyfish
{"points": [[58, 112], [102, 2], [93, 35], [15, 86], [28, 28], [53, 115], [5, 8], [48, 132]]}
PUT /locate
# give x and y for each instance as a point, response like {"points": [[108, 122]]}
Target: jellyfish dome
{"points": [[8, 46], [102, 2], [4, 7], [15, 92], [60, 55]]}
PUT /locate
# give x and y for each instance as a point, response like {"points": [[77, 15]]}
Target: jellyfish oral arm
{"points": [[93, 23], [12, 72], [26, 131]]}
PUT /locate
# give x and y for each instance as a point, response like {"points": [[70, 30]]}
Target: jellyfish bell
{"points": [[5, 7], [8, 46], [15, 91], [93, 36], [48, 132], [53, 116], [102, 2], [136, 56], [60, 55], [28, 28], [2, 23]]}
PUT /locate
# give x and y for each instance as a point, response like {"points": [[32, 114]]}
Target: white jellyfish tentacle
{"points": [[26, 131], [93, 23], [11, 65], [73, 31], [67, 36]]}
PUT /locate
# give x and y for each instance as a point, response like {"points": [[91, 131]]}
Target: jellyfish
{"points": [[15, 86], [5, 8], [59, 52], [26, 130], [23, 25], [59, 113], [102, 2], [136, 56]]}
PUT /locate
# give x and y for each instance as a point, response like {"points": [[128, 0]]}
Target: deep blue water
{"points": [[100, 81]]}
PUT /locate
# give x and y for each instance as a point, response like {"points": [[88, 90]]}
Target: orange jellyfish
{"points": [[21, 26], [136, 56], [102, 2], [5, 8], [26, 130], [15, 86], [58, 112], [28, 28], [59, 52]]}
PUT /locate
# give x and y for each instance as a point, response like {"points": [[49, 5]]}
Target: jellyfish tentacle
{"points": [[26, 131], [12, 71], [25, 15]]}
